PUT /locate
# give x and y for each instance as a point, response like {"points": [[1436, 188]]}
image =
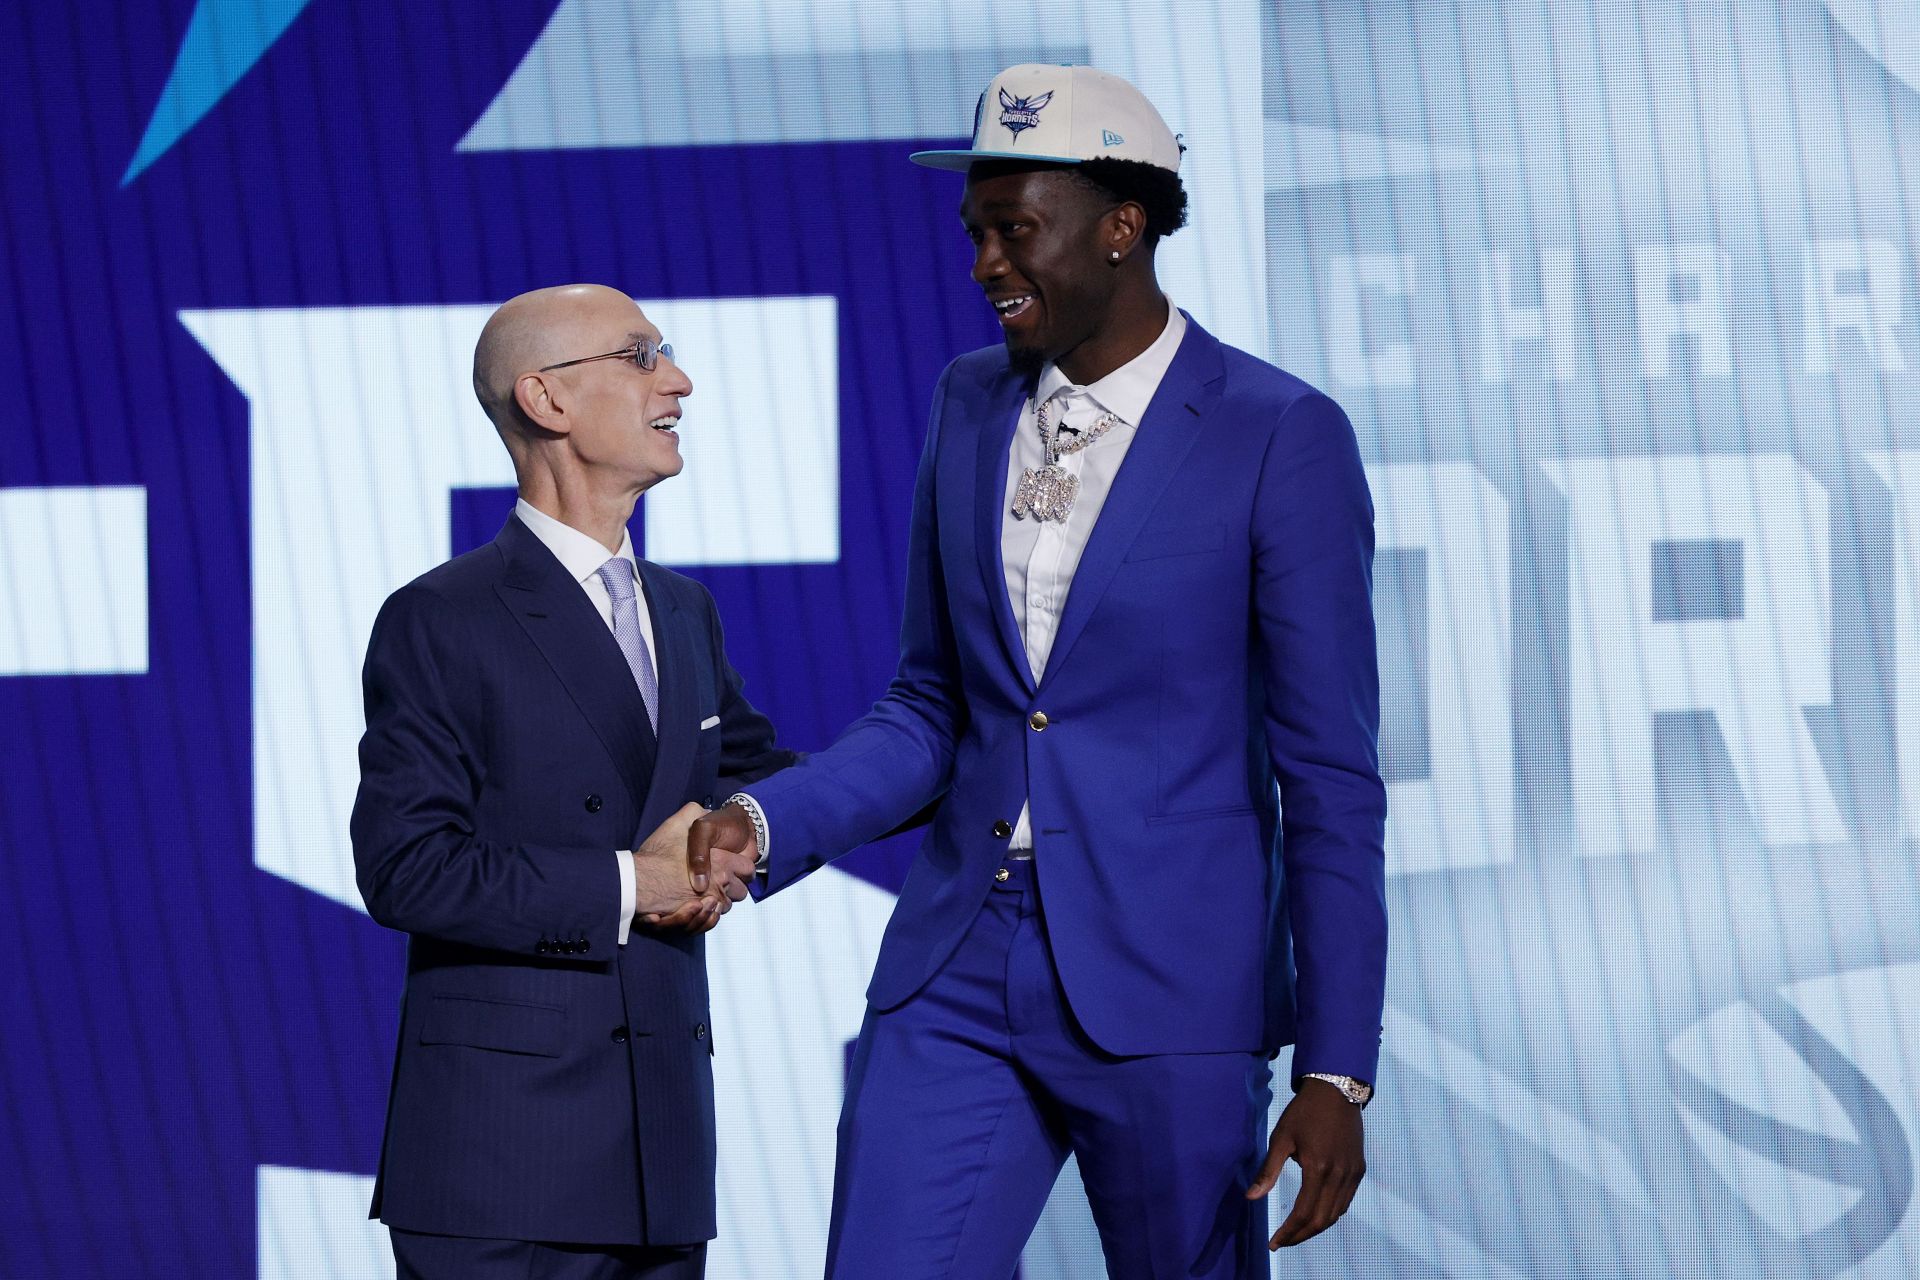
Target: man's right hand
{"points": [[664, 896], [723, 842]]}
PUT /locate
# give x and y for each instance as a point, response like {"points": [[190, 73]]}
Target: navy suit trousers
{"points": [[418, 1256]]}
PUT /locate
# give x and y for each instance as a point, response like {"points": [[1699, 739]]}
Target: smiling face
{"points": [[1041, 245], [606, 423], [623, 419]]}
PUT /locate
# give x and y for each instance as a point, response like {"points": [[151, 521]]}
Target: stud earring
{"points": [[1115, 255]]}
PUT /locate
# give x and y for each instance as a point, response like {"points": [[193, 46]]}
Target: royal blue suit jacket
{"points": [[1218, 635], [549, 1084]]}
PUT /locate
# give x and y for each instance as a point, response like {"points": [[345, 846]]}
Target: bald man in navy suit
{"points": [[533, 708]]}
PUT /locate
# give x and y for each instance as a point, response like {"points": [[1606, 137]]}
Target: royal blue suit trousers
{"points": [[964, 1103]]}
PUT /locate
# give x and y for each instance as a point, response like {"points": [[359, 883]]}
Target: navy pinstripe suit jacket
{"points": [[549, 1084]]}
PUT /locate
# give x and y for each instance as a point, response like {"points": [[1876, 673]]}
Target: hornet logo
{"points": [[1022, 113]]}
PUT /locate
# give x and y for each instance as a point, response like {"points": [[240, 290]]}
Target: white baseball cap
{"points": [[1062, 115]]}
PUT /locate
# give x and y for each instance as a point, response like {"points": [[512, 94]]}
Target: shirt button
{"points": [[1001, 830], [1038, 720]]}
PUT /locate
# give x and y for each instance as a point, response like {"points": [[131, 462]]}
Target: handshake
{"points": [[693, 868]]}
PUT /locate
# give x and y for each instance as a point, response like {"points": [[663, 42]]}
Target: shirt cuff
{"points": [[761, 835], [628, 892]]}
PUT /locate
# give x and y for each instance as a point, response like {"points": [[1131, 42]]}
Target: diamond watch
{"points": [[1358, 1092]]}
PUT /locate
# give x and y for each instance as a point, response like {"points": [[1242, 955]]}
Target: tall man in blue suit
{"points": [[1138, 594], [533, 707]]}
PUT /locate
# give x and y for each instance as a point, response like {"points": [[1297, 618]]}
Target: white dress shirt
{"points": [[581, 555], [1040, 556]]}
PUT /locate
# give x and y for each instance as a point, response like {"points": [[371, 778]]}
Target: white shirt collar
{"points": [[580, 554], [1128, 390]]}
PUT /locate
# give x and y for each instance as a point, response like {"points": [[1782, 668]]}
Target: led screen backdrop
{"points": [[1617, 294]]}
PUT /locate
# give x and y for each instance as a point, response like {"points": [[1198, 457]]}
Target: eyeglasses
{"points": [[646, 353]]}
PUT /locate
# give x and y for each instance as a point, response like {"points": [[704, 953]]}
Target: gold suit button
{"points": [[1038, 720], [1001, 875]]}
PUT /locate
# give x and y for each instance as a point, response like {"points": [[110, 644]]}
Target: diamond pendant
{"points": [[1046, 494]]}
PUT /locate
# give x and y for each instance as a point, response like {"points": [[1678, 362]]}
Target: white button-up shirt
{"points": [[581, 555], [1040, 557]]}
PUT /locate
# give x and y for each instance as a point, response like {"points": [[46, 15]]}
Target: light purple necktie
{"points": [[617, 574]]}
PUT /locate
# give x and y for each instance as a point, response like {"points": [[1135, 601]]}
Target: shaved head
{"points": [[586, 397], [541, 328]]}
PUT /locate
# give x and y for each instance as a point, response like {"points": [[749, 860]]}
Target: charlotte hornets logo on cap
{"points": [[1018, 114], [1074, 114]]}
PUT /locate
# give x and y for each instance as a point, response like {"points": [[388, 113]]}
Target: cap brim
{"points": [[963, 160]]}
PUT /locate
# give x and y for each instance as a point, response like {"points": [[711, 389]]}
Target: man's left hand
{"points": [[1320, 1130], [696, 915], [731, 873]]}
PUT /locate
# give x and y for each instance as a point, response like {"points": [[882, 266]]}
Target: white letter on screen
{"points": [[1461, 814], [313, 1223], [1754, 660], [1356, 361], [1901, 471], [1835, 305], [1504, 322], [73, 581], [1698, 270]]}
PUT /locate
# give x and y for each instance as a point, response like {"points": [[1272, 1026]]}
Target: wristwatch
{"points": [[1358, 1092]]}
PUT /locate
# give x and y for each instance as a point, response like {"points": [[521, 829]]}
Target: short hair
{"points": [[1156, 190]]}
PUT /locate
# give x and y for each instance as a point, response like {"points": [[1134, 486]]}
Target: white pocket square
{"points": [[710, 722]]}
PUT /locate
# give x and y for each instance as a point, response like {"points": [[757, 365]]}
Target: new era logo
{"points": [[1109, 138]]}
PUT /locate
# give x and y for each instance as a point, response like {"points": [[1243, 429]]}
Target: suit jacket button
{"points": [[542, 946], [619, 1035], [1038, 720], [593, 804], [1001, 830], [700, 1031]]}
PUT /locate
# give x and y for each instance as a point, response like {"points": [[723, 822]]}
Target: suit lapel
{"points": [[557, 616], [999, 408], [679, 727], [1173, 421]]}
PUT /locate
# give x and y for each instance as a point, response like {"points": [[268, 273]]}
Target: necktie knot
{"points": [[617, 574]]}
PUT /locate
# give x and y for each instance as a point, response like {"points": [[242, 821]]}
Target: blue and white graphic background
{"points": [[1618, 296]]}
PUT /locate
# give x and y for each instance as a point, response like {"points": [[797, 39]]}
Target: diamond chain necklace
{"points": [[1047, 494]]}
